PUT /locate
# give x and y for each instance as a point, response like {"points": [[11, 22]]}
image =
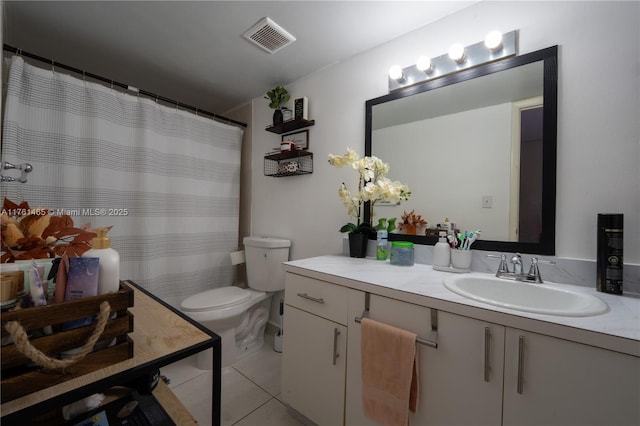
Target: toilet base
{"points": [[204, 360], [241, 341]]}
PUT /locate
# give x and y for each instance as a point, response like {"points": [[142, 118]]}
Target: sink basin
{"points": [[547, 298]]}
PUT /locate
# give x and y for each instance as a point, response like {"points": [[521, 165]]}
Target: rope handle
{"points": [[26, 348]]}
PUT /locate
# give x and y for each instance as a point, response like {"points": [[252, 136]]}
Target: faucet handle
{"points": [[503, 268], [534, 271]]}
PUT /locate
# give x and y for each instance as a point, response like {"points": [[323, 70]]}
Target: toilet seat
{"points": [[217, 298]]}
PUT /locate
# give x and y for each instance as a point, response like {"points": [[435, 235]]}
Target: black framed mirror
{"points": [[494, 168]]}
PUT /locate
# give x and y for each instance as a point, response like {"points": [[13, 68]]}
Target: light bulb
{"points": [[456, 53], [395, 72], [423, 64], [493, 40]]}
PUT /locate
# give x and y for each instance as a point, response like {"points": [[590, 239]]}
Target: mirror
{"points": [[478, 147]]}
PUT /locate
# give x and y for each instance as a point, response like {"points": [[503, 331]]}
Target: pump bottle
{"points": [[109, 275], [442, 252]]}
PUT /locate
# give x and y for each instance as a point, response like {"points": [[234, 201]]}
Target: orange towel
{"points": [[389, 373]]}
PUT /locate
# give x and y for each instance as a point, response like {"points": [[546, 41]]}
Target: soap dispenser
{"points": [[442, 252], [109, 266]]}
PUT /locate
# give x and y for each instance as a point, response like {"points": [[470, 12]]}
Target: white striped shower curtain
{"points": [[167, 180]]}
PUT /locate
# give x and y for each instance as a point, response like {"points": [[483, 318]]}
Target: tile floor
{"points": [[250, 390]]}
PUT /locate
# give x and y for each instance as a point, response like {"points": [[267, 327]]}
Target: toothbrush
{"points": [[470, 240], [473, 237]]}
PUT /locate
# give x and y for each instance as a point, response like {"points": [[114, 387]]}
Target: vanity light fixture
{"points": [[424, 64], [395, 73], [493, 40], [457, 54], [494, 47]]}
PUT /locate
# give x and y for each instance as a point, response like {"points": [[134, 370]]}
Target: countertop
{"points": [[618, 329]]}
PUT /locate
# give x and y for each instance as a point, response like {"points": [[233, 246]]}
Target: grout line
{"points": [[252, 411], [190, 379], [248, 378]]}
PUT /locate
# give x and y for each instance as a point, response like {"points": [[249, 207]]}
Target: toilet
{"points": [[239, 316]]}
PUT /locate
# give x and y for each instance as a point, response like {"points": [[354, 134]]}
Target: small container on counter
{"points": [[382, 246], [442, 252], [402, 253], [610, 245]]}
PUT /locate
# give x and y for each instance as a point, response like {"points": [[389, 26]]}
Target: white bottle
{"points": [[442, 252], [109, 275]]}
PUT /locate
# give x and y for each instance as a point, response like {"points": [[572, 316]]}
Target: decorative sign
{"points": [[300, 139], [300, 108]]}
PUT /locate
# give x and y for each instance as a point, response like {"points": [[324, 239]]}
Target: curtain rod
{"points": [[121, 85]]}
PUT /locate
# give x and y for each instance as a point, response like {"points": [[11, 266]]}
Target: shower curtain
{"points": [[168, 181]]}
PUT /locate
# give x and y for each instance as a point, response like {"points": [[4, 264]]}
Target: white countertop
{"points": [[618, 329]]}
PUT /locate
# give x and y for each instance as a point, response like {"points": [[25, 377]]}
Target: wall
{"points": [[598, 129], [244, 114]]}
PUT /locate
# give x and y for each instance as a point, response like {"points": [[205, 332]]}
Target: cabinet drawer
{"points": [[317, 297]]}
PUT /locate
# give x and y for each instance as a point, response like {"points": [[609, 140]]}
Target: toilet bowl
{"points": [[239, 316]]}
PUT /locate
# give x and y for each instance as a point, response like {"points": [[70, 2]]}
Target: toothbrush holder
{"points": [[461, 259]]}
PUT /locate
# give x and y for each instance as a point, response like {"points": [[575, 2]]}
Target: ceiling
{"points": [[194, 52]]}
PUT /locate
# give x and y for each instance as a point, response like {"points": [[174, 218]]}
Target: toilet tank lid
{"points": [[266, 242]]}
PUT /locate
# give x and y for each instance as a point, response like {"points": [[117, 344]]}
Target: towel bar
{"points": [[432, 342]]}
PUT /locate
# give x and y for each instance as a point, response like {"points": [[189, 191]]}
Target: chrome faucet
{"points": [[516, 261], [516, 274]]}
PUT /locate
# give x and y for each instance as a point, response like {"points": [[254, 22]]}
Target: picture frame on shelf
{"points": [[287, 114], [300, 138], [300, 108]]}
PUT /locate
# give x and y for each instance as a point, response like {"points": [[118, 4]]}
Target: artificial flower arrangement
{"points": [[373, 186], [36, 234], [409, 222]]}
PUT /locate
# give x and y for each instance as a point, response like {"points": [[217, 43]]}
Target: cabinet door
{"points": [[313, 366], [453, 390], [567, 383]]}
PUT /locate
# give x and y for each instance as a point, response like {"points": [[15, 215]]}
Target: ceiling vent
{"points": [[268, 35]]}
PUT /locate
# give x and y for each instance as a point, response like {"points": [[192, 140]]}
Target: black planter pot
{"points": [[277, 117], [358, 245]]}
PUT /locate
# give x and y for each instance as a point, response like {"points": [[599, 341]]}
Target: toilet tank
{"points": [[264, 257]]}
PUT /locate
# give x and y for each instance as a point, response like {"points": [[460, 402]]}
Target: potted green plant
{"points": [[277, 97]]}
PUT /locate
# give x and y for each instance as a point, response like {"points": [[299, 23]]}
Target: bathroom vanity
{"points": [[162, 335], [478, 364]]}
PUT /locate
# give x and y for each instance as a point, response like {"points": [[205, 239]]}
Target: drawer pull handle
{"points": [[487, 353], [314, 299], [520, 364], [336, 333]]}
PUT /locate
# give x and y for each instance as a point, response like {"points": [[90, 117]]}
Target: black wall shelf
{"points": [[290, 163], [289, 126]]}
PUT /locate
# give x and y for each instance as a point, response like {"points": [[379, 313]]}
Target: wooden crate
{"points": [[20, 377]]}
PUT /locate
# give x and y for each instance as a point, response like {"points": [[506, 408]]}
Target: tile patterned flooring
{"points": [[250, 390]]}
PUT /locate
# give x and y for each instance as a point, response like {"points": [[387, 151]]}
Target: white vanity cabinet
{"points": [[550, 381], [454, 389], [482, 372], [314, 355]]}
